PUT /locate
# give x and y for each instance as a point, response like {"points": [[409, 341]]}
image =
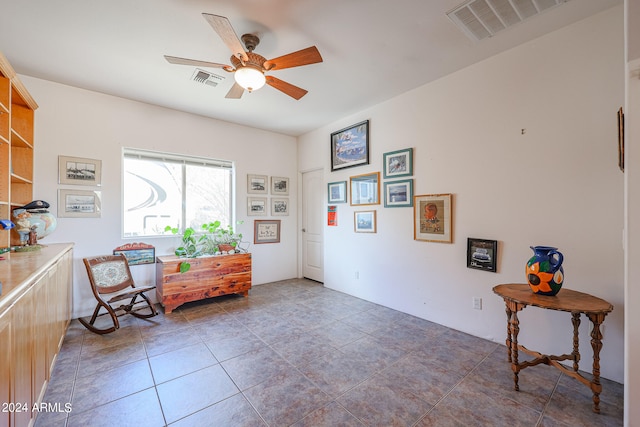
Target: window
{"points": [[161, 189]]}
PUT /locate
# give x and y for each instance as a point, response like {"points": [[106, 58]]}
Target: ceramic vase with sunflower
{"points": [[544, 270]]}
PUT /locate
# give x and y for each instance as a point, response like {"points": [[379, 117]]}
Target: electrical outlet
{"points": [[356, 275], [477, 303]]}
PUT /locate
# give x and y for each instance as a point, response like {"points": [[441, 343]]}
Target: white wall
{"points": [[76, 122], [557, 184]]}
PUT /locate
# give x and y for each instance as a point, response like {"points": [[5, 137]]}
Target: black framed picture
{"points": [[350, 146], [482, 254]]}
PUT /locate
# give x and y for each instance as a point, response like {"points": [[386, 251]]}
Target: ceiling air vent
{"points": [[207, 78], [480, 19]]}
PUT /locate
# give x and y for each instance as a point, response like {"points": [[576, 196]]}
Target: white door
{"points": [[312, 222]]}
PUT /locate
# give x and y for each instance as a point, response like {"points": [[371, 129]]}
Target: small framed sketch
{"points": [[257, 184], [482, 254], [279, 207], [365, 189], [256, 206], [350, 146], [79, 204], [79, 171], [364, 221], [266, 231], [432, 218], [279, 186], [337, 192], [398, 194], [137, 253], [398, 163]]}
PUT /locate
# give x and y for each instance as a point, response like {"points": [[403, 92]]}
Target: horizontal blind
{"points": [[134, 153]]}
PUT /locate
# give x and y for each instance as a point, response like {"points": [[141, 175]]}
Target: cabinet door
{"points": [[22, 357], [5, 366], [41, 331]]}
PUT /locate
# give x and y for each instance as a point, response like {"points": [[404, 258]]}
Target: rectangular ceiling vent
{"points": [[207, 78], [480, 19]]}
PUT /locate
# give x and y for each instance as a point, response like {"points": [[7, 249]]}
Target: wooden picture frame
{"points": [[432, 218], [482, 254], [137, 253], [279, 206], [256, 206], [398, 163], [266, 231], [257, 184], [337, 192], [398, 194], [79, 171], [79, 204], [350, 146], [364, 222], [279, 186], [365, 189]]}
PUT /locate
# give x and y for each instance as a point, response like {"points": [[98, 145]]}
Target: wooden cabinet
{"points": [[16, 147], [35, 310], [208, 277]]}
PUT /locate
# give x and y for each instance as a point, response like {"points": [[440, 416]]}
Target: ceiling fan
{"points": [[248, 67]]}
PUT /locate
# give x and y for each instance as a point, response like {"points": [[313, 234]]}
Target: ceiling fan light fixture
{"points": [[250, 78]]}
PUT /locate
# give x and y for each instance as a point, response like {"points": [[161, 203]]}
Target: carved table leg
{"points": [[575, 319], [596, 344], [514, 328], [508, 342]]}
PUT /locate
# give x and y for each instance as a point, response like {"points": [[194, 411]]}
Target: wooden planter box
{"points": [[208, 277]]}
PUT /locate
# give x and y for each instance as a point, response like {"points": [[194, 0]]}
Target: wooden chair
{"points": [[111, 282]]}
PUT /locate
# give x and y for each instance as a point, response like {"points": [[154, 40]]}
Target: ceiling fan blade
{"points": [[287, 88], [235, 92], [223, 27], [307, 56], [195, 62]]}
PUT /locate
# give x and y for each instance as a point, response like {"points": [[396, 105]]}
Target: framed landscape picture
{"points": [[350, 146], [398, 194], [364, 221], [432, 218], [79, 204], [79, 171], [398, 163], [257, 184], [256, 206]]}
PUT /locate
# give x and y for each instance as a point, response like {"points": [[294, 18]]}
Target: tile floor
{"points": [[297, 354]]}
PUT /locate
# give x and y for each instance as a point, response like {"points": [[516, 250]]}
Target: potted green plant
{"points": [[211, 239]]}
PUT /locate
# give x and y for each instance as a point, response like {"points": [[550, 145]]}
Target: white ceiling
{"points": [[373, 50]]}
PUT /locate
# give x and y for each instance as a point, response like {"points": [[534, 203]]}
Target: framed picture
{"points": [[257, 184], [482, 254], [432, 218], [137, 253], [350, 146], [78, 204], [266, 231], [279, 186], [279, 207], [364, 221], [365, 189], [337, 192], [398, 163], [398, 194], [256, 206], [79, 171]]}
